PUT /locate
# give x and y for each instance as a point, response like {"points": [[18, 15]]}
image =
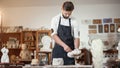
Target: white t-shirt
{"points": [[74, 24]]}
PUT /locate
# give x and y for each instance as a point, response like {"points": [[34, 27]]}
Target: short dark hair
{"points": [[68, 6]]}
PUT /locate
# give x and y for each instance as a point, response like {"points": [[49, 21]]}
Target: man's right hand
{"points": [[61, 43], [67, 48]]}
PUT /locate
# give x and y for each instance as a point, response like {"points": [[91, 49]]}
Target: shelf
{"points": [[29, 41], [14, 48], [29, 38], [31, 48], [44, 31], [40, 34], [12, 33]]}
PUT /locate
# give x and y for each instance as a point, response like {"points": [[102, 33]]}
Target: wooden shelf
{"points": [[10, 39], [31, 38], [14, 48], [40, 34], [29, 41]]}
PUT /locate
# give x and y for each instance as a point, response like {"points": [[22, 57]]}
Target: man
{"points": [[65, 33]]}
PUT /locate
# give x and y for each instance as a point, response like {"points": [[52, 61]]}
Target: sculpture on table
{"points": [[35, 61], [5, 57], [25, 54]]}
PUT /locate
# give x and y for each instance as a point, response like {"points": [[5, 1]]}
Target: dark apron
{"points": [[64, 33]]}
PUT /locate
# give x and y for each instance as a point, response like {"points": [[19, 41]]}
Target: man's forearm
{"points": [[58, 40], [76, 42]]}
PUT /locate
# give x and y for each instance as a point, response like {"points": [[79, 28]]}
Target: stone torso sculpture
{"points": [[5, 57]]}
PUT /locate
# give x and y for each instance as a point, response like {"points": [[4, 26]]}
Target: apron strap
{"points": [[59, 20], [69, 24]]}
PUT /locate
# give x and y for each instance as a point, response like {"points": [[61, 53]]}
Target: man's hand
{"points": [[67, 48]]}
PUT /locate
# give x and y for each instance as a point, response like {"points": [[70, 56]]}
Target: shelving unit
{"points": [[29, 38], [39, 36], [12, 41], [6, 36]]}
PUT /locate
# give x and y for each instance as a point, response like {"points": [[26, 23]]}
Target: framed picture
{"points": [[92, 26], [100, 28], [112, 27], [92, 31], [86, 21], [107, 20], [106, 28], [97, 21], [116, 20]]}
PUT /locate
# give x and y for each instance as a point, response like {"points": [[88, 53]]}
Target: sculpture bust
{"points": [[46, 41], [25, 53]]}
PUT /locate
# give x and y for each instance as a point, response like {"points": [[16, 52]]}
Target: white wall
{"points": [[95, 12], [35, 17]]}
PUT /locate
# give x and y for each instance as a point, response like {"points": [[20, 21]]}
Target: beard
{"points": [[65, 17]]}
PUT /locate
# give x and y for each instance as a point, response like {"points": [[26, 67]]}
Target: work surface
{"points": [[65, 66]]}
